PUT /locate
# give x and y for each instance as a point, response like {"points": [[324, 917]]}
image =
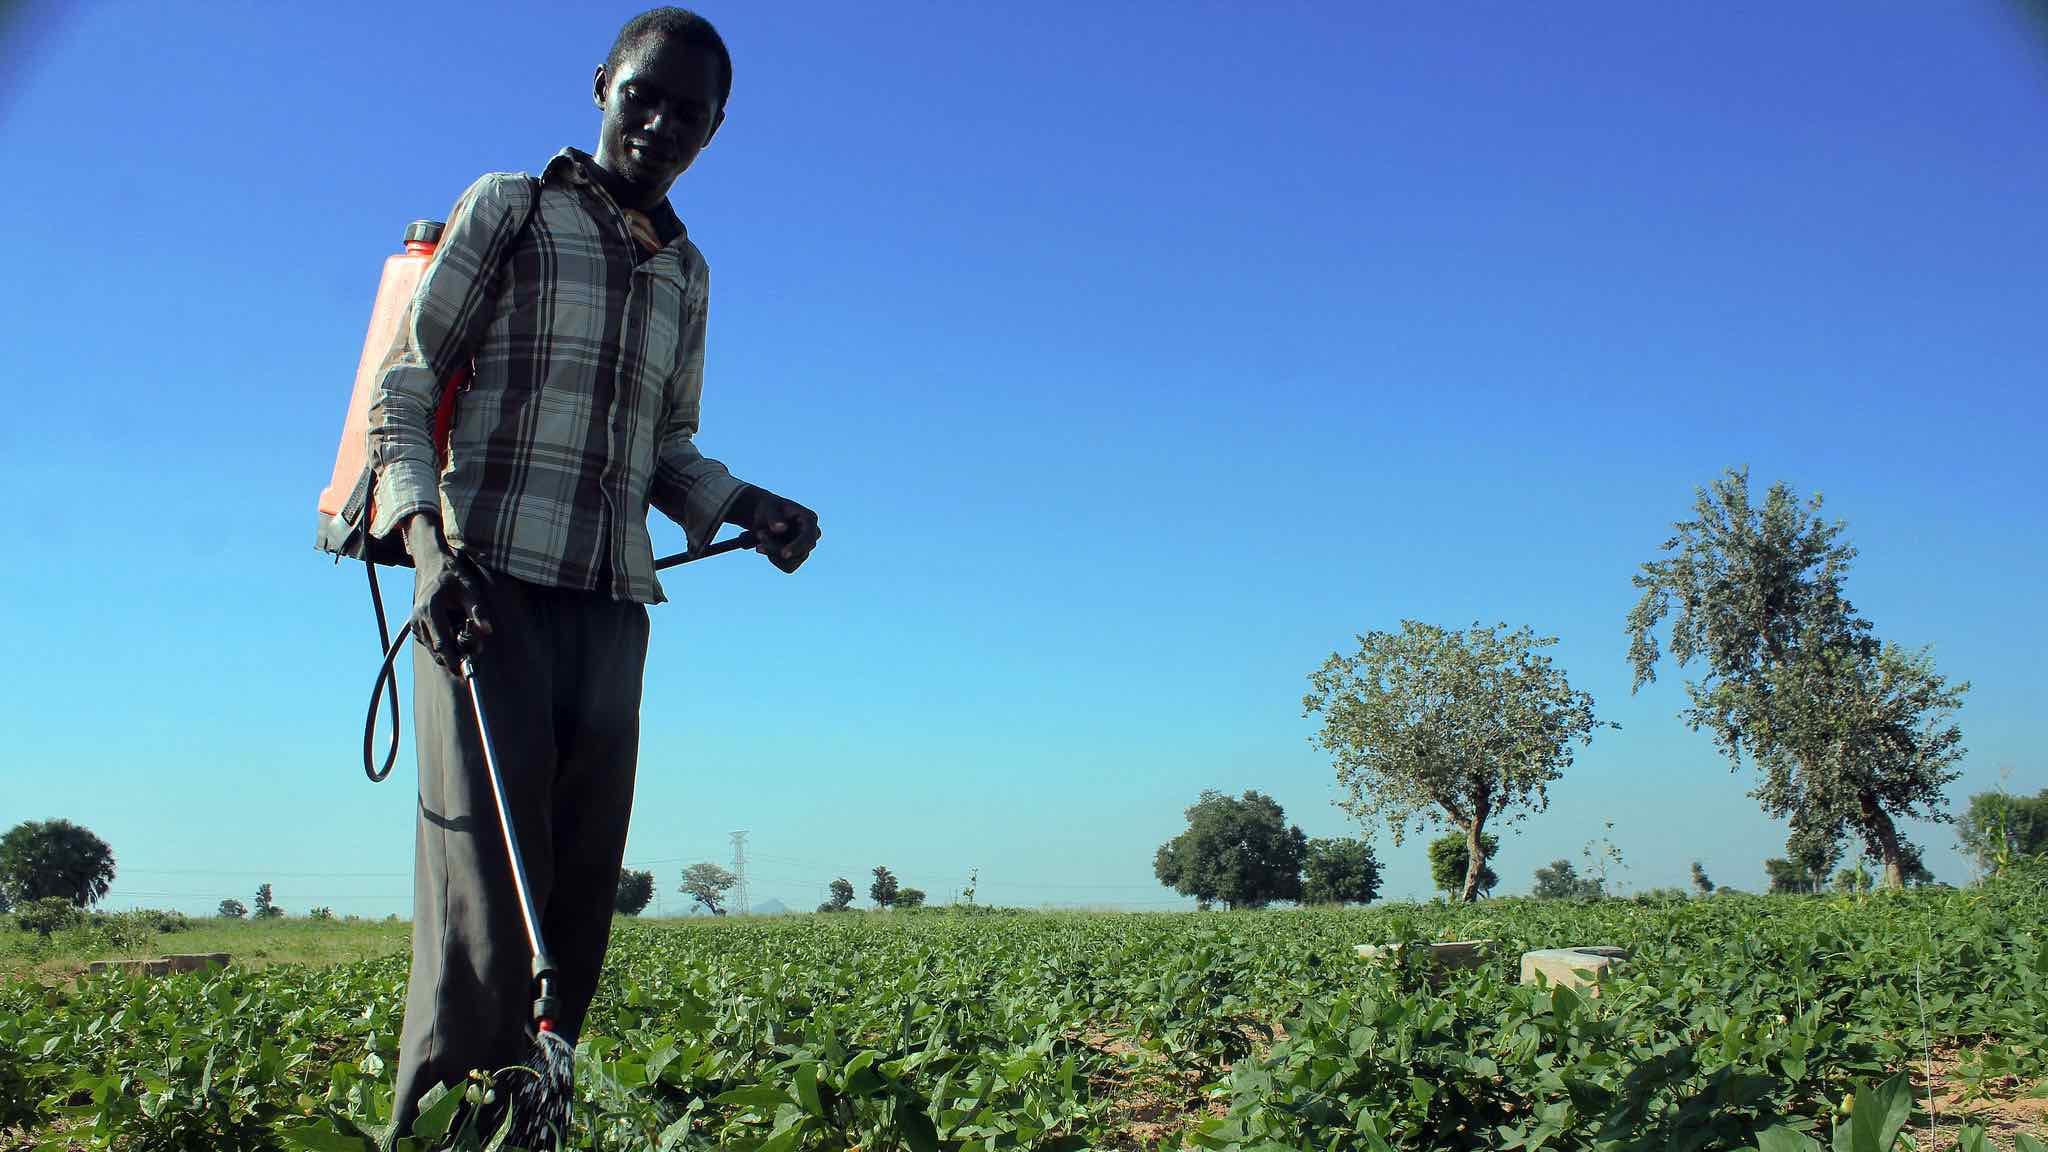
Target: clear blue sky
{"points": [[1135, 356]]}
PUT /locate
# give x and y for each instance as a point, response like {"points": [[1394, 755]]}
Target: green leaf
{"points": [[806, 1078], [1878, 1114], [323, 1138], [860, 1078], [1778, 1138], [2026, 1142], [437, 1112], [760, 1097]]}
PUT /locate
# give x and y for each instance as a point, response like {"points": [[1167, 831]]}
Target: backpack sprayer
{"points": [[540, 1101]]}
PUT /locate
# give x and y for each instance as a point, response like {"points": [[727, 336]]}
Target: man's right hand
{"points": [[448, 605]]}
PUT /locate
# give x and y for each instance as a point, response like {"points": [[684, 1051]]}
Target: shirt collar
{"points": [[573, 166]]}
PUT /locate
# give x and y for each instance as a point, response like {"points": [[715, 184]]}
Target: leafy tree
{"points": [[1238, 850], [706, 883], [233, 909], [1427, 725], [1815, 851], [41, 859], [635, 893], [842, 896], [1450, 865], [1700, 883], [1913, 868], [909, 898], [1339, 870], [320, 913], [1787, 876], [1846, 732], [265, 909], [1998, 828], [1560, 880], [883, 891]]}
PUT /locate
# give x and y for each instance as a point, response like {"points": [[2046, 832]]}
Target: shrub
{"points": [[1660, 896], [233, 909], [164, 920], [47, 915]]}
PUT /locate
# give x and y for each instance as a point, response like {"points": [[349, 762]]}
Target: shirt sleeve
{"points": [[690, 488], [449, 313]]}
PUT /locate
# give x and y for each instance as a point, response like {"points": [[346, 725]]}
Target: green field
{"points": [[1256, 1030]]}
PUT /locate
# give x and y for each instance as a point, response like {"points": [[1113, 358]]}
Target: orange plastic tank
{"points": [[381, 346]]}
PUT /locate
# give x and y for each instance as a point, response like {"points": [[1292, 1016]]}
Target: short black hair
{"points": [[681, 22]]}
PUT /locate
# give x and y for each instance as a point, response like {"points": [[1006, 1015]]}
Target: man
{"points": [[581, 303]]}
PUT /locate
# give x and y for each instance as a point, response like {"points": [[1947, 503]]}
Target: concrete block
{"points": [[187, 962], [1582, 967]]}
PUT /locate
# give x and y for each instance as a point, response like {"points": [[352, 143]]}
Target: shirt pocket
{"points": [[670, 318]]}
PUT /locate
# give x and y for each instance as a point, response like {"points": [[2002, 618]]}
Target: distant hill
{"points": [[770, 908]]}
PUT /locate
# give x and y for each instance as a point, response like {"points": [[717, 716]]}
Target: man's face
{"points": [[660, 109]]}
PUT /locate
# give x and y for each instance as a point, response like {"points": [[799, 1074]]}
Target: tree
{"points": [[636, 892], [1845, 732], [1788, 877], [1450, 865], [1560, 880], [1913, 868], [1998, 828], [1700, 883], [1431, 726], [707, 884], [883, 890], [842, 896], [265, 909], [1238, 850], [1339, 870], [909, 898], [45, 859], [1815, 851], [233, 909]]}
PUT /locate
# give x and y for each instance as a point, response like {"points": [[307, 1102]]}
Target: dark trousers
{"points": [[560, 677]]}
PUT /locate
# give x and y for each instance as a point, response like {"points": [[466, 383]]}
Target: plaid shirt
{"points": [[588, 359]]}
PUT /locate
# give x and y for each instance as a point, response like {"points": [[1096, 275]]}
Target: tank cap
{"points": [[423, 232]]}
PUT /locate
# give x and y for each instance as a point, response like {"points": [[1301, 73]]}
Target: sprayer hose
{"points": [[386, 684]]}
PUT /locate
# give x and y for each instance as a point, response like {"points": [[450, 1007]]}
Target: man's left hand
{"points": [[784, 530]]}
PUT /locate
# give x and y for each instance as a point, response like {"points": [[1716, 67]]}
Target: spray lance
{"points": [[540, 1100]]}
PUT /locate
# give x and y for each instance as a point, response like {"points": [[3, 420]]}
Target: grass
{"points": [[56, 958]]}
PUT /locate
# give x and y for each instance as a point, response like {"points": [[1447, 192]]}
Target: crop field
{"points": [[1741, 1021]]}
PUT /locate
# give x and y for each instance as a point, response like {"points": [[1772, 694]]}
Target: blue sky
{"points": [[1135, 356]]}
